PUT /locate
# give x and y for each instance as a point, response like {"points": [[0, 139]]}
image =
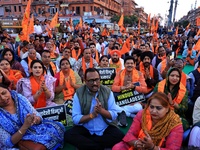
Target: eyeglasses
{"points": [[91, 81], [157, 107]]}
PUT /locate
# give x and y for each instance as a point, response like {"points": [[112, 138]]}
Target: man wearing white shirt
{"points": [[38, 29]]}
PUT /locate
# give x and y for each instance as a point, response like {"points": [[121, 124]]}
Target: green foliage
{"points": [[128, 20], [181, 23]]}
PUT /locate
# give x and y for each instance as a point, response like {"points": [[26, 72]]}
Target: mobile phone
{"points": [[172, 56]]}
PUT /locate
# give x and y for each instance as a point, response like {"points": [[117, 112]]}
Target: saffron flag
{"points": [[25, 21], [176, 33], [149, 19], [197, 46], [31, 25], [121, 21], [125, 47], [54, 21], [80, 25], [198, 33], [198, 21]]}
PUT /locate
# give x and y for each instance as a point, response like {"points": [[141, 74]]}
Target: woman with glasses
{"points": [[67, 80], [154, 128]]}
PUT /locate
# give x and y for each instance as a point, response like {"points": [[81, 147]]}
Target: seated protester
{"points": [[50, 67], [38, 46], [27, 61], [103, 62], [93, 111], [22, 49], [110, 47], [176, 92], [55, 45], [62, 45], [66, 54], [116, 61], [151, 75], [155, 47], [189, 54], [147, 46], [136, 55], [31, 46], [67, 80], [76, 49], [85, 62], [194, 134], [15, 65], [195, 76], [164, 65], [37, 88], [95, 53], [21, 122], [53, 54], [143, 47], [12, 75], [125, 79], [156, 127], [159, 57]]}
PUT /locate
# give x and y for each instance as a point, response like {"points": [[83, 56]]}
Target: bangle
{"points": [[91, 116], [152, 147], [20, 132], [135, 143]]}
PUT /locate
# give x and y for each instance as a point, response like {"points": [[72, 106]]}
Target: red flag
{"points": [[54, 21]]}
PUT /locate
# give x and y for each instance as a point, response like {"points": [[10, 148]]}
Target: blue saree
{"points": [[48, 133]]}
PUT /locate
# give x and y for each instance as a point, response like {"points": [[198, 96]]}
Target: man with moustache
{"points": [[136, 55], [151, 75], [116, 61], [124, 80], [93, 113], [85, 62]]}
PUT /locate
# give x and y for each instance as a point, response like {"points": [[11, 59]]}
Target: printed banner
{"points": [[107, 75]]}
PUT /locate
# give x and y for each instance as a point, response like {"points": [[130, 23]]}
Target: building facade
{"points": [[128, 7], [15, 8], [140, 13]]}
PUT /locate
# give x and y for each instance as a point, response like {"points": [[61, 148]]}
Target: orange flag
{"points": [[122, 29], [198, 33], [187, 27], [176, 33], [121, 21], [153, 25], [80, 23], [149, 19], [139, 26], [125, 47], [31, 25], [25, 20], [197, 46], [54, 21], [198, 21]]}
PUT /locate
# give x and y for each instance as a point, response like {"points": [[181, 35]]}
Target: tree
{"points": [[183, 23], [128, 20]]}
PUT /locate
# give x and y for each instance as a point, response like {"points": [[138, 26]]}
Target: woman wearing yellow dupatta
{"points": [[157, 127], [67, 80]]}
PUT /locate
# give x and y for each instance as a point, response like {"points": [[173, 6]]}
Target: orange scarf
{"points": [[74, 55], [14, 75], [29, 61], [53, 66], [62, 46], [69, 91], [162, 57], [84, 64], [52, 55], [135, 76], [35, 86], [181, 92], [183, 78], [117, 66]]}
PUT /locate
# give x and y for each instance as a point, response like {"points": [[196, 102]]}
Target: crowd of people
{"points": [[50, 69]]}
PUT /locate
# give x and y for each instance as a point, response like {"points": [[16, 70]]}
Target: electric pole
{"points": [[175, 7], [170, 13]]}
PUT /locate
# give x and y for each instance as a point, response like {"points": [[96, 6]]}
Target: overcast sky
{"points": [[162, 7]]}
